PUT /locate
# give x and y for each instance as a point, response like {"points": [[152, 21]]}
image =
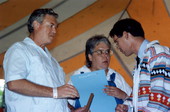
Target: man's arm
{"points": [[28, 88]]}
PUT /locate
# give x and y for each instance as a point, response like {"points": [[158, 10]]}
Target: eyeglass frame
{"points": [[115, 42], [101, 52]]}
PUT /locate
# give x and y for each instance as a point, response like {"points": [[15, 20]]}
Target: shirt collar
{"points": [[29, 41], [142, 48]]}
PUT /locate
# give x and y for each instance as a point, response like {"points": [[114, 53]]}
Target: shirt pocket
{"points": [[37, 64], [37, 69]]}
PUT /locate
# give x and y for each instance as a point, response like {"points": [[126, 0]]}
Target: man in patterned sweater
{"points": [[151, 77]]}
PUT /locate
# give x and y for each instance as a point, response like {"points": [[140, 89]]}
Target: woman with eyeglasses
{"points": [[98, 53]]}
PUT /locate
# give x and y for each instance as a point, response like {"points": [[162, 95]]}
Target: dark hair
{"points": [[91, 43], [39, 15], [129, 25]]}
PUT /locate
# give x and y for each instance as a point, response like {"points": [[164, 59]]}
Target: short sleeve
{"points": [[15, 64]]}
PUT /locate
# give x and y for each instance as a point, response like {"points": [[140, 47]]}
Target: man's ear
{"points": [[127, 35], [36, 25], [90, 57]]}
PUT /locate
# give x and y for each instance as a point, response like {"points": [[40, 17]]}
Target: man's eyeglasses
{"points": [[106, 52], [116, 42]]}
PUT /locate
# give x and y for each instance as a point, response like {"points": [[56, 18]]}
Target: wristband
{"points": [[55, 94]]}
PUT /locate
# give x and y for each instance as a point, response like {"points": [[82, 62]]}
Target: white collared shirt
{"points": [[26, 60]]}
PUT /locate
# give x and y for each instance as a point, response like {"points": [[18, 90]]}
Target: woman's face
{"points": [[100, 57]]}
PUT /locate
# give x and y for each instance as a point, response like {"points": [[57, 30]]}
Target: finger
{"points": [[66, 91], [72, 91], [72, 94], [109, 86], [75, 92], [110, 91], [70, 86], [119, 108]]}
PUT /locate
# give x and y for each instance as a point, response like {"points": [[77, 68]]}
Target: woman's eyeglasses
{"points": [[106, 52]]}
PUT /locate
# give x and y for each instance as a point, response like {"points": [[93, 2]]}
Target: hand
{"points": [[121, 108], [82, 109], [115, 92], [67, 91], [79, 109]]}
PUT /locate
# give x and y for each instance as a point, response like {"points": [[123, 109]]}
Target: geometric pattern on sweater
{"points": [[161, 71], [155, 97], [154, 79], [159, 96]]}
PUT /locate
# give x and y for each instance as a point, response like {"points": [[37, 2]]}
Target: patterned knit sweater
{"points": [[154, 79]]}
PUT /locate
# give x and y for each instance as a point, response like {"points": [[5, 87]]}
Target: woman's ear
{"points": [[90, 57]]}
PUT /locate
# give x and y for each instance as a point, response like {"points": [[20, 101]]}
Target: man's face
{"points": [[46, 31], [100, 57], [123, 44]]}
